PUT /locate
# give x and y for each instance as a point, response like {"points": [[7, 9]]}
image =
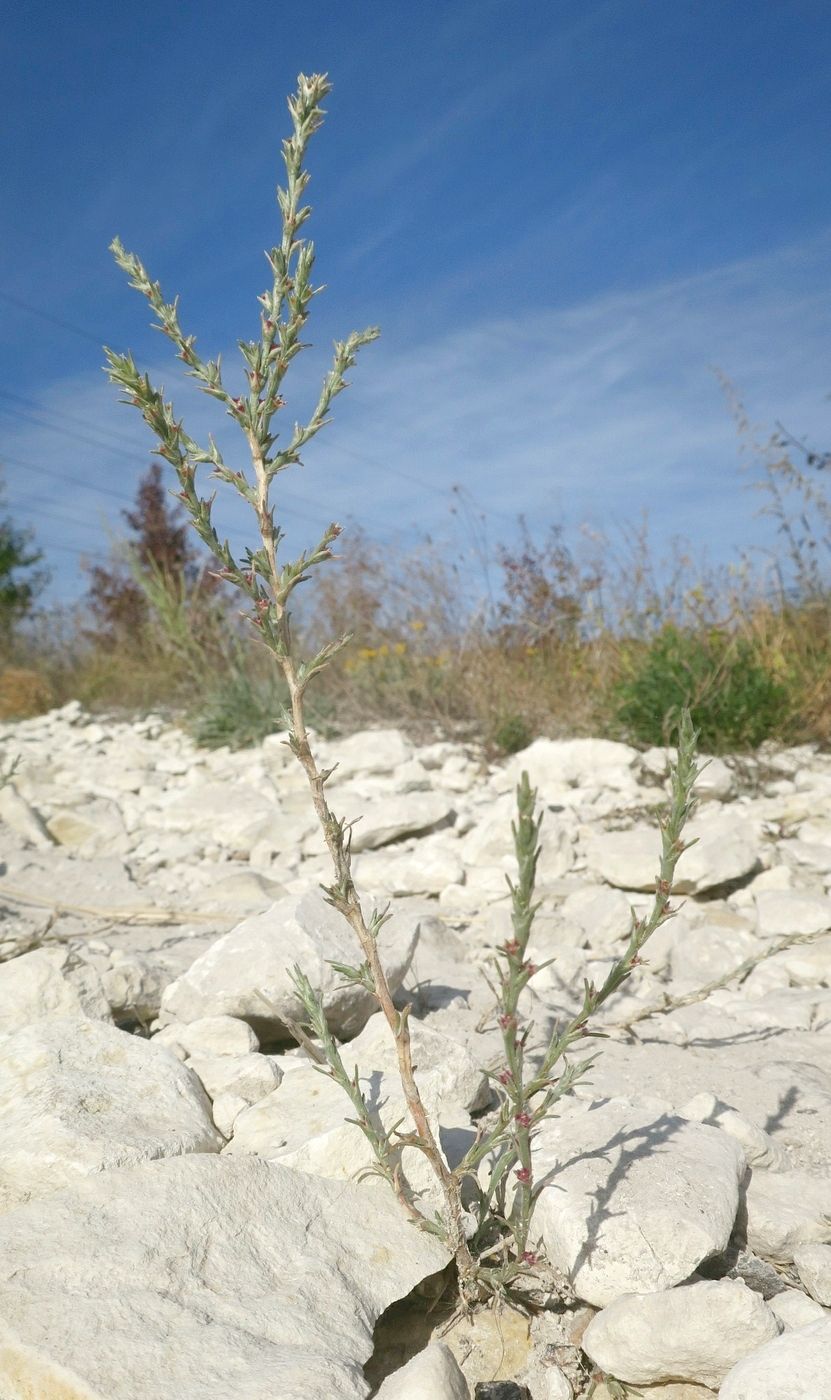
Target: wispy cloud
{"points": [[589, 413]]}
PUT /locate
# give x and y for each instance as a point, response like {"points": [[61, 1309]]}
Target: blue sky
{"points": [[563, 216]]}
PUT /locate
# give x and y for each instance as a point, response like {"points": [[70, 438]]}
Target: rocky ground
{"points": [[181, 1215]]}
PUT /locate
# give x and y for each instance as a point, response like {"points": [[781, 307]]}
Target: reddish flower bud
{"points": [[504, 1076], [529, 1257], [511, 947], [506, 1022], [531, 968], [523, 1174], [523, 1119]]}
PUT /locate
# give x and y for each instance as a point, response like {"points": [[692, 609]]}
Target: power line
{"points": [[44, 511], [78, 437], [181, 377], [42, 409], [131, 455], [53, 320], [70, 480]]}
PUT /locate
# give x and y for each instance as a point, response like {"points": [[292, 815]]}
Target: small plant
{"points": [[512, 734], [736, 701], [493, 1247]]}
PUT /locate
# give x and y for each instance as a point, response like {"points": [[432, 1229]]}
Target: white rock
{"points": [[305, 1123], [785, 1210], [795, 1366], [795, 1309], [723, 853], [227, 1108], [433, 1374], [813, 1264], [637, 1197], [556, 1385], [79, 1096], [694, 1333], [812, 855], [228, 812], [48, 982], [603, 915], [93, 827], [760, 1149], [134, 984], [244, 889], [716, 782], [212, 1035], [554, 764], [249, 1077], [367, 751], [778, 877], [246, 973], [21, 817], [99, 883], [428, 869], [387, 819], [707, 953], [199, 1279], [782, 912]]}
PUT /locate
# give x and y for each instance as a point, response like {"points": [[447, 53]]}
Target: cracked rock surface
{"points": [[179, 1209]]}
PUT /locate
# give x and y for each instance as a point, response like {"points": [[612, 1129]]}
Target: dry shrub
{"points": [[24, 693]]}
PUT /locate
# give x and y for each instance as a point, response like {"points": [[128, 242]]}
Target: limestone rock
{"points": [[384, 820], [247, 972], [213, 1035], [603, 915], [305, 1123], [367, 751], [21, 817], [134, 984], [637, 1197], [79, 1096], [795, 1366], [725, 852], [428, 869], [716, 782], [446, 1071], [795, 1309], [202, 1278], [433, 1374], [557, 764], [228, 813], [234, 1083], [693, 1333], [780, 913], [760, 1149], [707, 953], [813, 1264], [48, 982], [244, 889], [786, 1209]]}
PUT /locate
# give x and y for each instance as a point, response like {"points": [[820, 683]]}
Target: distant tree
{"points": [[21, 581], [159, 546]]}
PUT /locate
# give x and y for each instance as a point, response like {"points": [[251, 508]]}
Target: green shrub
{"points": [[240, 710], [735, 701], [512, 734]]}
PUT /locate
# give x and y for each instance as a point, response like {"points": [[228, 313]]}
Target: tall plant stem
{"points": [[344, 897]]}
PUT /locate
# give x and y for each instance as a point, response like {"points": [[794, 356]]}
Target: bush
{"points": [[512, 734], [24, 693], [735, 701]]}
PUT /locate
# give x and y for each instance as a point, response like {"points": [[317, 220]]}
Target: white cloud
{"points": [[591, 412]]}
